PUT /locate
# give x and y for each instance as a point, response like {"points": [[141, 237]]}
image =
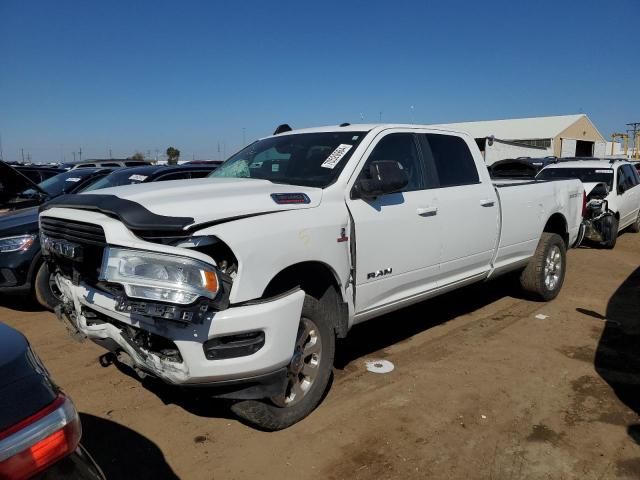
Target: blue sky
{"points": [[142, 75]]}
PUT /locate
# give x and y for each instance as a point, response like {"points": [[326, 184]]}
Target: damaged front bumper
{"points": [[600, 229], [184, 353]]}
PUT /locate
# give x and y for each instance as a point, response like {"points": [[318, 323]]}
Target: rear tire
{"points": [[309, 374], [45, 289], [544, 275]]}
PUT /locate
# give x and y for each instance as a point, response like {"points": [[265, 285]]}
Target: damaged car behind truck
{"points": [[613, 195], [243, 281]]}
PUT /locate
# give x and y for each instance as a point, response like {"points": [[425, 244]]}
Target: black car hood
{"points": [[19, 222]]}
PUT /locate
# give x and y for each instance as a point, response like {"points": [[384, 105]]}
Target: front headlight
{"points": [[158, 276], [19, 243]]}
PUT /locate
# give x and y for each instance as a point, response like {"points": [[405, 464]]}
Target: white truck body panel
{"points": [[416, 244]]}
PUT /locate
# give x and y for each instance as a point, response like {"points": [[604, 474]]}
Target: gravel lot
{"points": [[481, 389]]}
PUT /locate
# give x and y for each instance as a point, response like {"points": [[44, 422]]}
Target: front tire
{"points": [[611, 232], [544, 275], [309, 373], [46, 290]]}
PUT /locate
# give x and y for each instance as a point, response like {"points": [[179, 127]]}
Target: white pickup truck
{"points": [[244, 280]]}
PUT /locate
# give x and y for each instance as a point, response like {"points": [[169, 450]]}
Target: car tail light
{"points": [[39, 441], [584, 204]]}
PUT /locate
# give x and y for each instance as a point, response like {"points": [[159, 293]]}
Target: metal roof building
{"points": [[563, 135]]}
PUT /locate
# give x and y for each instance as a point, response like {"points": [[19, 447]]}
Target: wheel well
{"points": [[317, 280], [558, 224]]}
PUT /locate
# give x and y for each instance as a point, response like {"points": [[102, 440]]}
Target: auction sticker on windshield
{"points": [[73, 179], [335, 157], [138, 178]]}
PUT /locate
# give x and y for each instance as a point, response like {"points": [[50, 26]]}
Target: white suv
{"points": [[613, 195]]}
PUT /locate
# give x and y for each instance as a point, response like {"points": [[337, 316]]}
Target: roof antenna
{"points": [[345, 124], [282, 128]]}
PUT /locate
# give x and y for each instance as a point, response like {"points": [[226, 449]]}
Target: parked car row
{"points": [[22, 270]]}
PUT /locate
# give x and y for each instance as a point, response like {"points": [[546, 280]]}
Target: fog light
{"points": [[232, 346]]}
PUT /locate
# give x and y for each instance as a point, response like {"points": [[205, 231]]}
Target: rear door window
{"points": [[452, 159]]}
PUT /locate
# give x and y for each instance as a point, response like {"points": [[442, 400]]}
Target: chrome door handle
{"points": [[487, 203], [427, 211]]}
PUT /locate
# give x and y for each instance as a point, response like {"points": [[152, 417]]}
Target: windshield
{"points": [[117, 179], [308, 159], [58, 184], [585, 175]]}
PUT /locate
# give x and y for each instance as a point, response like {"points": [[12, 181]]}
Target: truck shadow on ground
{"points": [[363, 339], [617, 358], [121, 452], [375, 334], [20, 303]]}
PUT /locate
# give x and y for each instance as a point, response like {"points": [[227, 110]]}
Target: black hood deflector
{"points": [[132, 214]]}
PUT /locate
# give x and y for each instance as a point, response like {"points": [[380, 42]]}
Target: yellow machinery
{"points": [[623, 136]]}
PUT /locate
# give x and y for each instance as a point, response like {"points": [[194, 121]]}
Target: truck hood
{"points": [[209, 200]]}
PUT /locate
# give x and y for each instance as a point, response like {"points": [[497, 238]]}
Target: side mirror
{"points": [[385, 176]]}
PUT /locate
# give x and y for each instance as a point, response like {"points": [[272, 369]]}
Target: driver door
{"points": [[397, 235]]}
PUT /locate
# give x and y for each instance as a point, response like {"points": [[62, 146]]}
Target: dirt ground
{"points": [[482, 389]]}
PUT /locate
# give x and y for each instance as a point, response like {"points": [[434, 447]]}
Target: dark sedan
{"points": [[20, 258], [21, 267], [40, 428]]}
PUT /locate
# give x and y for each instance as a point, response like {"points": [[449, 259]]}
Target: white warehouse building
{"points": [[560, 136]]}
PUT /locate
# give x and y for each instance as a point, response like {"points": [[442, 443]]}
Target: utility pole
{"points": [[22, 154], [635, 128], [80, 154], [110, 155], [1, 156], [74, 157]]}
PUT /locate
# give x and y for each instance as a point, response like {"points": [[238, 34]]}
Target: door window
{"points": [[452, 159], [630, 176], [402, 148]]}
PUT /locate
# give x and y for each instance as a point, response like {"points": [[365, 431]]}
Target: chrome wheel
{"points": [[55, 290], [304, 366], [552, 268]]}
